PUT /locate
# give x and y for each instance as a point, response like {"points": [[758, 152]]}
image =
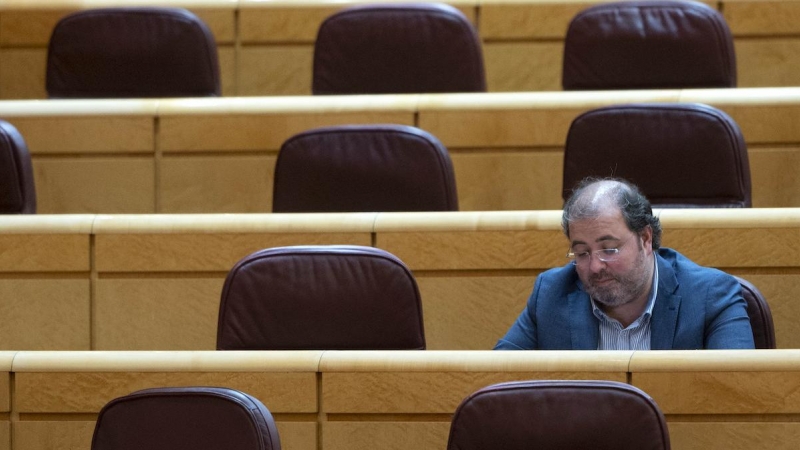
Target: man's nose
{"points": [[595, 265]]}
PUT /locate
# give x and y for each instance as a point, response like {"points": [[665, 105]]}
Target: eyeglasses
{"points": [[606, 255]]}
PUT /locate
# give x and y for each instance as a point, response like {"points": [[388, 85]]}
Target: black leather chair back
{"points": [[17, 189]]}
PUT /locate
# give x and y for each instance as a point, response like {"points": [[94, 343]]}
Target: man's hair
{"points": [[635, 207]]}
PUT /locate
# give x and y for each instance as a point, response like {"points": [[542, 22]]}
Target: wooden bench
{"points": [[384, 400], [153, 282]]}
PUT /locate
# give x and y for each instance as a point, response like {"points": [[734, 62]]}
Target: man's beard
{"points": [[623, 289]]}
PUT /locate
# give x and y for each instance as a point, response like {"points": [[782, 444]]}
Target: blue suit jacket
{"points": [[696, 307]]}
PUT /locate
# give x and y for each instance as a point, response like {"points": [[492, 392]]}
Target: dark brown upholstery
{"points": [[679, 154], [132, 52], [648, 45], [760, 315], [197, 418], [397, 48], [17, 190], [356, 168], [320, 297], [559, 415]]}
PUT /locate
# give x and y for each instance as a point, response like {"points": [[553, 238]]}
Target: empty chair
{"points": [[132, 52], [354, 168], [557, 415], [397, 48], [320, 297], [197, 418], [679, 154], [17, 189], [760, 315], [648, 45]]}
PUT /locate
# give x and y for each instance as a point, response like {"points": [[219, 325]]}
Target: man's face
{"points": [[623, 280]]}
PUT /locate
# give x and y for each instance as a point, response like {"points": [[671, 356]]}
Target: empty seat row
{"points": [[390, 48], [544, 414], [681, 155]]}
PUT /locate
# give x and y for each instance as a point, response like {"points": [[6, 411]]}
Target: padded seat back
{"points": [[680, 154], [197, 418], [648, 45], [320, 298], [132, 52], [355, 168], [760, 315], [397, 48], [17, 189], [558, 415]]}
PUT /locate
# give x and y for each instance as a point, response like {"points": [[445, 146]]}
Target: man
{"points": [[621, 291]]}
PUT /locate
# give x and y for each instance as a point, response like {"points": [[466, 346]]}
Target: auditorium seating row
{"points": [[218, 155], [713, 400], [154, 282], [266, 48]]}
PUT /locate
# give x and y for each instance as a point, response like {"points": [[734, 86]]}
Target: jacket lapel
{"points": [[665, 311], [584, 331]]}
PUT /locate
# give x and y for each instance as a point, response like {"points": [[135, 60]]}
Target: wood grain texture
{"points": [[88, 392], [385, 435], [37, 252], [733, 435]]}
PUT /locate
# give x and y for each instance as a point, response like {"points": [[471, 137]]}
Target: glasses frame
{"points": [[606, 255]]}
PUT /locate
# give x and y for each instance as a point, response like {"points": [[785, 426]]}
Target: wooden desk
{"points": [[218, 155], [266, 47], [153, 282], [332, 400]]}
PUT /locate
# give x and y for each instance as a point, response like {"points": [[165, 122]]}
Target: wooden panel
{"points": [[221, 22], [257, 132], [5, 392], [22, 73], [53, 435], [26, 28], [507, 180], [297, 435], [157, 313], [470, 313], [199, 252], [453, 250], [227, 70], [88, 392], [275, 70], [44, 252], [282, 25], [217, 184], [767, 62], [748, 18], [523, 66], [779, 291], [45, 314], [422, 392], [737, 247], [113, 185], [385, 435], [5, 435], [773, 176], [733, 435], [525, 20], [79, 134], [712, 392]]}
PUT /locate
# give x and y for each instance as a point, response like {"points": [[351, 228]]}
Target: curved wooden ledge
{"points": [[542, 99], [47, 224], [730, 218], [716, 361], [73, 108], [86, 4], [166, 361], [468, 221], [475, 361], [234, 223], [288, 104]]}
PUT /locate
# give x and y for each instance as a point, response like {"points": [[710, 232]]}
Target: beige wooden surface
{"points": [[266, 47], [384, 400], [154, 281], [218, 155]]}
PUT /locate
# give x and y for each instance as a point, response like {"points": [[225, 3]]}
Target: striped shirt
{"points": [[635, 336]]}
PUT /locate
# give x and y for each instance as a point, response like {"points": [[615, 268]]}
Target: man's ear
{"points": [[647, 237]]}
